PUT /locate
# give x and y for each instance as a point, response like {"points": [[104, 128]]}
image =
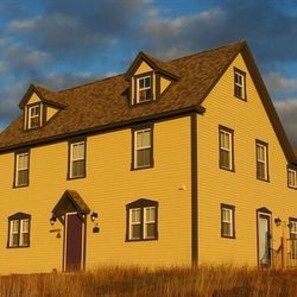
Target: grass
{"points": [[223, 281]]}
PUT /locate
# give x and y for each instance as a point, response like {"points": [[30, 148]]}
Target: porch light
{"points": [[53, 220], [94, 216], [277, 221]]}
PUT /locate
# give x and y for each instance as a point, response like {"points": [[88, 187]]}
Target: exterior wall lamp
{"points": [[94, 216], [53, 219], [277, 221]]}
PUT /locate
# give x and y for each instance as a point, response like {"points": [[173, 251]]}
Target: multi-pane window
{"points": [[142, 220], [144, 89], [293, 238], [77, 160], [21, 169], [226, 148], [227, 221], [34, 116], [135, 223], [292, 178], [142, 148], [239, 84], [262, 160], [19, 230]]}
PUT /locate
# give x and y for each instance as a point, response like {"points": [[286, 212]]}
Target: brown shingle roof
{"points": [[105, 102]]}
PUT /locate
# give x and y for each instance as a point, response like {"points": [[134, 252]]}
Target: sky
{"points": [[62, 43]]}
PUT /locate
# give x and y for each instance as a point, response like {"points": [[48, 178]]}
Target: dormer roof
{"points": [[158, 65], [44, 94]]}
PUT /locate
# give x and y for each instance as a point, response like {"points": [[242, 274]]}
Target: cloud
{"points": [[275, 81], [287, 111]]}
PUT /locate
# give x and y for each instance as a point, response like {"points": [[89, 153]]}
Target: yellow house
{"points": [[181, 162]]}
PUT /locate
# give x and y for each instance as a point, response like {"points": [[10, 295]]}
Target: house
{"points": [[181, 162]]}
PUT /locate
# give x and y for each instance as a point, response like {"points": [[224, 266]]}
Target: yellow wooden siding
{"points": [[108, 187], [34, 99], [50, 112], [164, 84], [240, 188]]}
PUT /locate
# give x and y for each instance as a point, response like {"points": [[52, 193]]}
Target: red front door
{"points": [[74, 243]]}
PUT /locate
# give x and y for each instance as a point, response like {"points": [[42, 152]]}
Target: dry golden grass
{"points": [[224, 281]]}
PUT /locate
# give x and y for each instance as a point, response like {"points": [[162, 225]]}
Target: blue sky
{"points": [[64, 43]]}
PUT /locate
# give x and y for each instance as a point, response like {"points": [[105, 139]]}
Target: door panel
{"points": [[74, 238], [264, 250]]}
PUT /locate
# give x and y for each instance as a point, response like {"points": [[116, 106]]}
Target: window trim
{"points": [[134, 131], [70, 161], [18, 217], [294, 170], [230, 132], [241, 73], [266, 146], [141, 204], [15, 178], [232, 209], [136, 87], [291, 219], [40, 115]]}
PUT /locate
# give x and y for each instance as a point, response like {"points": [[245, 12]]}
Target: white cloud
{"points": [[287, 110], [275, 81]]}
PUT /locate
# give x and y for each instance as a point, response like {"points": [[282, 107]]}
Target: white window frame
{"points": [[230, 222], [22, 231], [147, 221], [18, 169], [141, 148], [225, 134], [32, 116], [131, 223], [139, 89], [19, 232], [292, 178], [80, 158], [241, 85], [293, 237], [264, 161]]}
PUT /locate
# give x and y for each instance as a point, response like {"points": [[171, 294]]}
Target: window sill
{"points": [[228, 237], [76, 177], [267, 180], [20, 186], [18, 247], [141, 168], [227, 169], [241, 98], [140, 240]]}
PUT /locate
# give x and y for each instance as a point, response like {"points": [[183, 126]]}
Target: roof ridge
{"points": [[240, 42], [89, 83]]}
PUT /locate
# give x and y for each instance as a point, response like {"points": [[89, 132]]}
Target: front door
{"points": [[264, 241], [74, 242]]}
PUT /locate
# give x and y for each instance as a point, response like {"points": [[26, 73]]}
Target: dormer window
{"points": [[144, 89], [34, 116]]}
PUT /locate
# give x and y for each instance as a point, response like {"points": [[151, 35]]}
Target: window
{"points": [[262, 160], [142, 223], [77, 162], [226, 148], [21, 178], [292, 178], [227, 221], [143, 148], [293, 237], [239, 84], [34, 116], [19, 230], [144, 89]]}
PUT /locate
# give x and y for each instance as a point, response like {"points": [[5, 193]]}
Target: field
{"points": [[224, 281]]}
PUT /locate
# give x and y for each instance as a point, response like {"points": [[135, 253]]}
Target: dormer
{"points": [[149, 77], [37, 109]]}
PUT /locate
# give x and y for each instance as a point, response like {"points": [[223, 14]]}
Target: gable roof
{"points": [[104, 104]]}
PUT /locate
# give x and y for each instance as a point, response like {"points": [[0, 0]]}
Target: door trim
{"points": [[264, 213], [83, 243]]}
